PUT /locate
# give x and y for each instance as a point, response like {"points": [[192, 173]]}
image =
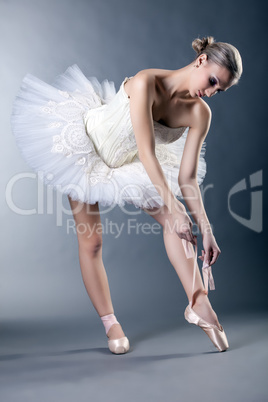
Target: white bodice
{"points": [[77, 135], [110, 129]]}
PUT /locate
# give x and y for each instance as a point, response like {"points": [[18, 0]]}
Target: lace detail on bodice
{"points": [[99, 135], [77, 134], [163, 134], [167, 135], [73, 139], [126, 148], [118, 145]]}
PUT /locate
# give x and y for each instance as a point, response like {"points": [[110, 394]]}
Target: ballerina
{"points": [[142, 145]]}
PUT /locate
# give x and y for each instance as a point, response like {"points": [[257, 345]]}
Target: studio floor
{"points": [[68, 360]]}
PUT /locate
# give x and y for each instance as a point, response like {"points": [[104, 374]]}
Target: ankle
{"points": [[200, 297], [203, 308], [108, 321], [112, 327]]}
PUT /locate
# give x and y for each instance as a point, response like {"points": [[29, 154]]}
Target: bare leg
{"points": [[183, 266], [89, 235]]}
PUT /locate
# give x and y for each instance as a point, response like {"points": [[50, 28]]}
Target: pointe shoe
{"points": [[215, 334], [117, 346]]}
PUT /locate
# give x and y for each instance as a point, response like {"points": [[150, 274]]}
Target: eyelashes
{"points": [[213, 82]]}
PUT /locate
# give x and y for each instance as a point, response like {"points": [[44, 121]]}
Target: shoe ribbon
{"points": [[206, 268]]}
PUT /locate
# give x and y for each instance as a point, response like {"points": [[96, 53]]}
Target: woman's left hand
{"points": [[211, 250]]}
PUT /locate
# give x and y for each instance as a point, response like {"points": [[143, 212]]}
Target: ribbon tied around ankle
{"points": [[206, 268]]}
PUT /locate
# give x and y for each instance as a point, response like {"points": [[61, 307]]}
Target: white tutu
{"points": [[77, 135]]}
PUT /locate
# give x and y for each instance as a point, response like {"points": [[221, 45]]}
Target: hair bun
{"points": [[200, 44]]}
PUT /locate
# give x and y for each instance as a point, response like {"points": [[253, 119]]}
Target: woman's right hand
{"points": [[211, 251], [183, 226]]}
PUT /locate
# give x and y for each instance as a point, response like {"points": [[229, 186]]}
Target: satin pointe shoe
{"points": [[117, 346], [215, 334]]}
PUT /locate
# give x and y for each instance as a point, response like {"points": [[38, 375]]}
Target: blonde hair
{"points": [[221, 53]]}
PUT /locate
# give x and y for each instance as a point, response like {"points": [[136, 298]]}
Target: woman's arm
{"points": [[188, 183], [201, 120], [142, 98]]}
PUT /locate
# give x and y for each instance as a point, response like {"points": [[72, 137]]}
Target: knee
{"points": [[91, 246]]}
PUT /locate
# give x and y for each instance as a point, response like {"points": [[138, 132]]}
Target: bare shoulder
{"points": [[149, 74], [201, 115], [144, 80]]}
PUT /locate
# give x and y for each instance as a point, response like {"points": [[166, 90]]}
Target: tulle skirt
{"points": [[42, 111]]}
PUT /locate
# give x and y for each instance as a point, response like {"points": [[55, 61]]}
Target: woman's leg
{"points": [[89, 235], [184, 266]]}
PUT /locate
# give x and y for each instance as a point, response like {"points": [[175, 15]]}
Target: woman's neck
{"points": [[176, 83]]}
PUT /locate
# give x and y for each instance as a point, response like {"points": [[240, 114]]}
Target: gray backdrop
{"points": [[40, 274]]}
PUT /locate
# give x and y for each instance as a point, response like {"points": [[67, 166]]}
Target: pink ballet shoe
{"points": [[215, 334], [117, 346]]}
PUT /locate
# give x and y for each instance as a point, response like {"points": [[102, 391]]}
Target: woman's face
{"points": [[208, 78]]}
